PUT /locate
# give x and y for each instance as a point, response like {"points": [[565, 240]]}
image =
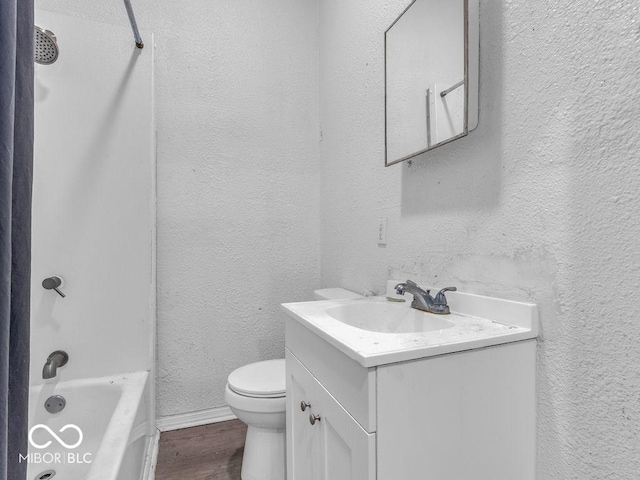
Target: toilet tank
{"points": [[334, 294]]}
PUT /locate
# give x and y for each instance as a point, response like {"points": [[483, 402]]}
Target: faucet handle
{"points": [[440, 298], [53, 283]]}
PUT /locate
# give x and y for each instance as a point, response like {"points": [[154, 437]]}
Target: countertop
{"points": [[478, 322]]}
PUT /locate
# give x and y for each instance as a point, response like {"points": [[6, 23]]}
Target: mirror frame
{"points": [[471, 68]]}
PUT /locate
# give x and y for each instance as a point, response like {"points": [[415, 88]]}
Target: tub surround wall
{"points": [[94, 225], [539, 203], [238, 183], [93, 221]]}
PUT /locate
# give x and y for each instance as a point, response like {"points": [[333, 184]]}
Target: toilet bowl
{"points": [[256, 394]]}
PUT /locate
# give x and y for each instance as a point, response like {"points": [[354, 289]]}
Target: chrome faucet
{"points": [[422, 299], [55, 360]]}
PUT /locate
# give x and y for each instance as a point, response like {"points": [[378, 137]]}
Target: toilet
{"points": [[256, 395]]}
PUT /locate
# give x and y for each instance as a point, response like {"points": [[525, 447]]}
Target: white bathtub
{"points": [[111, 417]]}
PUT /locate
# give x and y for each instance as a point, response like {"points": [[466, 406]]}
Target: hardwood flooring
{"points": [[209, 452]]}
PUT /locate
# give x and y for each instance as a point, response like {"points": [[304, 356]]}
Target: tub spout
{"points": [[55, 360]]}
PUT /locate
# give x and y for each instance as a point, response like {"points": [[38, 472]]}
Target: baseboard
{"points": [[149, 472], [194, 419]]}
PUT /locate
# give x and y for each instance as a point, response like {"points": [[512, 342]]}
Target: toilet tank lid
{"points": [[334, 294], [260, 379]]}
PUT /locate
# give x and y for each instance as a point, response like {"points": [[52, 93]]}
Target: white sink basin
{"points": [[374, 331], [387, 318]]}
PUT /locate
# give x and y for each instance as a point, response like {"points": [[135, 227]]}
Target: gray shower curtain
{"points": [[16, 165]]}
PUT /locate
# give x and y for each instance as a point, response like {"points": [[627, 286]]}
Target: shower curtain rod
{"points": [[134, 25]]}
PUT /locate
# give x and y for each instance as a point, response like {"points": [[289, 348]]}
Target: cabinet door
{"points": [[304, 461], [349, 451], [335, 447]]}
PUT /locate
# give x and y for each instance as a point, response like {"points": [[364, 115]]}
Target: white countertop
{"points": [[478, 322]]}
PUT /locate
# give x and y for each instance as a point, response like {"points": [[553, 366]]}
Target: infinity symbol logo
{"points": [[52, 433]]}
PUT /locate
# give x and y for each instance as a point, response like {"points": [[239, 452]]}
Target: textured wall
{"points": [[238, 181], [540, 203]]}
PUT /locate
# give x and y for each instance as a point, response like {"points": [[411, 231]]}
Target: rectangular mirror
{"points": [[431, 76]]}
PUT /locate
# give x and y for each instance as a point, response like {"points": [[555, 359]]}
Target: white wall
{"points": [[540, 203], [238, 188], [238, 181], [93, 214]]}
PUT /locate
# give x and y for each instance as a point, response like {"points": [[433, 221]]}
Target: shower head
{"points": [[46, 46]]}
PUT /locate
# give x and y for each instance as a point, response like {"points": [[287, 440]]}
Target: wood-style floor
{"points": [[210, 452]]}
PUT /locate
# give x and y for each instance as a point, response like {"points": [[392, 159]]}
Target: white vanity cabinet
{"points": [[457, 416]]}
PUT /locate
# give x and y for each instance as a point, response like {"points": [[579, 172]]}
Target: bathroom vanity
{"points": [[378, 390]]}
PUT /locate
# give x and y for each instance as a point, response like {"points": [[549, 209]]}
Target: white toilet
{"points": [[256, 395]]}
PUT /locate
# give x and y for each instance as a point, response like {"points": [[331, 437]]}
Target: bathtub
{"points": [[103, 432]]}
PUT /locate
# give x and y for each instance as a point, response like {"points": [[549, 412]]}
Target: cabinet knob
{"points": [[304, 405], [314, 418]]}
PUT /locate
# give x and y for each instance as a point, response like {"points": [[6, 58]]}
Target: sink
{"points": [[374, 331], [387, 318]]}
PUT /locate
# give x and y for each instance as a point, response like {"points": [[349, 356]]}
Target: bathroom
{"points": [[263, 140]]}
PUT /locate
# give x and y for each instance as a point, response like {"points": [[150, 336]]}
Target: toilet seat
{"points": [[259, 405], [265, 379]]}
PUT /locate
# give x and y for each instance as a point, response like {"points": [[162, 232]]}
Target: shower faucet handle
{"points": [[53, 283]]}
